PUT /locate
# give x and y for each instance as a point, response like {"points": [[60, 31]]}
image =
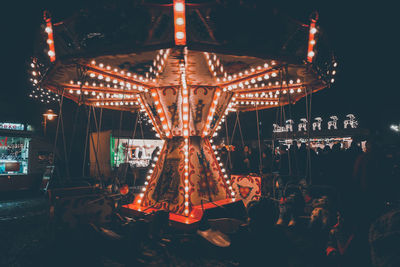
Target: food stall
{"points": [[23, 157]]}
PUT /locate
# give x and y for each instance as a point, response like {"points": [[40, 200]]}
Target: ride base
{"points": [[217, 209]]}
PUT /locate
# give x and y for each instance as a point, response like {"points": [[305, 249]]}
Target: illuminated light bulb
{"points": [[333, 72], [179, 7], [313, 30], [233, 194], [49, 41], [51, 53], [311, 54], [332, 80], [186, 189], [101, 65], [179, 21], [335, 64], [48, 30], [139, 201], [312, 42], [299, 90], [291, 91], [186, 203], [284, 91], [180, 35], [71, 91], [274, 74]]}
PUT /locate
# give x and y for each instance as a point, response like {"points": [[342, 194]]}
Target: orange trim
{"points": [[50, 40], [179, 22], [220, 118], [206, 129], [148, 111], [229, 192], [249, 76], [99, 89], [158, 163], [161, 113], [311, 41], [195, 215], [97, 70]]}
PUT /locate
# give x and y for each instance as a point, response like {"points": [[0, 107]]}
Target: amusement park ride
{"points": [[186, 83]]}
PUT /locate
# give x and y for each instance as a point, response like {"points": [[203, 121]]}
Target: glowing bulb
{"points": [[179, 7], [180, 35], [179, 21], [313, 30]]}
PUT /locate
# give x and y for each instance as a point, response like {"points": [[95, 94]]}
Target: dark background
{"points": [[363, 37]]}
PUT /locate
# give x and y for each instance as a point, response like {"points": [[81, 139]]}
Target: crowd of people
{"points": [[364, 181], [348, 170]]}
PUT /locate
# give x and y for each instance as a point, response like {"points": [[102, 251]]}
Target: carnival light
{"points": [[179, 22], [50, 38], [311, 39]]}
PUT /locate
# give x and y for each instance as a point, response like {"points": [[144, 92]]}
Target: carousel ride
{"points": [[172, 63]]}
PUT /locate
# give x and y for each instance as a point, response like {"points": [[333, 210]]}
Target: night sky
{"points": [[363, 37]]}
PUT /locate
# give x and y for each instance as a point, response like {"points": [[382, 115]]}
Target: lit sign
{"points": [[11, 126]]}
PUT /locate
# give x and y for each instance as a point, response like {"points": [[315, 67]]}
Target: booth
{"points": [[23, 157]]}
